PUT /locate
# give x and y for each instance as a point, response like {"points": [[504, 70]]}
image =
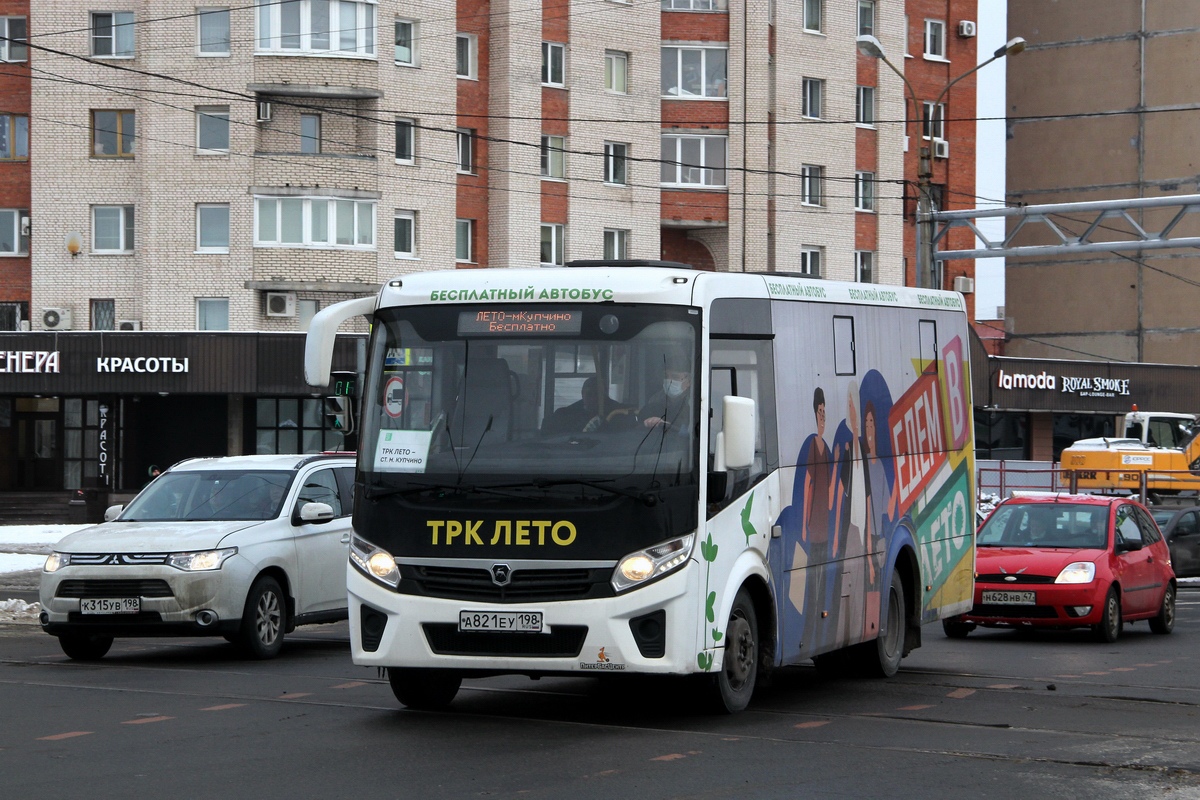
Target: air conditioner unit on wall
{"points": [[24, 226], [281, 304], [966, 29], [129, 325], [264, 111], [56, 319], [964, 284], [941, 148]]}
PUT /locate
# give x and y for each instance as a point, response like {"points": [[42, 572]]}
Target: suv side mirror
{"points": [[316, 512], [112, 512]]}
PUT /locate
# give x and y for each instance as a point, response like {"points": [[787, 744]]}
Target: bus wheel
{"points": [[732, 687], [423, 689], [880, 658]]}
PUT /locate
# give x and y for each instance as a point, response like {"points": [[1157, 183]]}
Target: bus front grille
{"points": [[563, 641], [524, 586]]}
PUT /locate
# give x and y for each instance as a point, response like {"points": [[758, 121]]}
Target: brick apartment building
{"points": [[236, 168], [14, 165]]}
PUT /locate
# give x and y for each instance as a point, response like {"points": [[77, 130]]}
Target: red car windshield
{"points": [[1073, 525]]}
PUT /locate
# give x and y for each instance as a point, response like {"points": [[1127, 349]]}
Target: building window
{"points": [[864, 105], [306, 309], [552, 64], [405, 145], [866, 17], [935, 39], [694, 5], [811, 190], [813, 90], [694, 71], [553, 237], [14, 231], [933, 120], [112, 229], [554, 157], [113, 134], [212, 313], [616, 157], [693, 160], [464, 240], [13, 45], [293, 425], [812, 15], [616, 244], [112, 34], [810, 261], [404, 228], [465, 48], [212, 228], [103, 315], [310, 133], [864, 191], [864, 266], [12, 315], [212, 129], [616, 71], [213, 31], [317, 26], [406, 42], [466, 150], [14, 137], [320, 222]]}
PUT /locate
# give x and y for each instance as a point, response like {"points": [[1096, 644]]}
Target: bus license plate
{"points": [[518, 621], [1010, 598], [111, 605]]}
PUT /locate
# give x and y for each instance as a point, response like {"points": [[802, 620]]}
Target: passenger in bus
{"points": [[585, 415], [673, 404]]}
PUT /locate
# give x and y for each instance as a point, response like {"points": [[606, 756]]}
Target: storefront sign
{"points": [[141, 364], [102, 456], [40, 361], [1082, 386]]}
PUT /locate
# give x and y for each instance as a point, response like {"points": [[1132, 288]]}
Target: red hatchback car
{"points": [[1070, 561]]}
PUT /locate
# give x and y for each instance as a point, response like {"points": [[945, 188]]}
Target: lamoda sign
{"points": [[1080, 386]]}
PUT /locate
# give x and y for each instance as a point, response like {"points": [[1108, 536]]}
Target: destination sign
{"points": [[536, 322]]}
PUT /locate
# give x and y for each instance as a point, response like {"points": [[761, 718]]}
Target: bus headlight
{"points": [[1078, 572], [653, 562], [374, 562]]}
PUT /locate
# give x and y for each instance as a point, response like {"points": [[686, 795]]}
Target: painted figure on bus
{"points": [[851, 493], [814, 528], [882, 497]]}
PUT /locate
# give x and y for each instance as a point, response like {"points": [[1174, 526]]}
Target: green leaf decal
{"points": [[708, 549], [704, 661], [747, 528], [717, 635], [708, 610]]}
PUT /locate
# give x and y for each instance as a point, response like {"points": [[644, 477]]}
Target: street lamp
{"points": [[870, 46]]}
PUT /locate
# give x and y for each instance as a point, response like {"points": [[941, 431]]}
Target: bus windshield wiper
{"points": [[373, 492], [649, 498]]}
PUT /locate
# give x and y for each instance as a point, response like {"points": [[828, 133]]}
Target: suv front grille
{"points": [[114, 588], [525, 585], [93, 559]]}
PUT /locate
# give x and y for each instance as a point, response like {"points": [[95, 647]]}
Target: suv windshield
{"points": [[534, 395], [1074, 525], [212, 495]]}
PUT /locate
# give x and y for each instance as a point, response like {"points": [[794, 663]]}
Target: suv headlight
{"points": [[202, 561], [653, 562], [56, 561], [374, 562], [1078, 572]]}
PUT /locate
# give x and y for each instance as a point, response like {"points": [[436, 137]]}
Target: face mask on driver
{"points": [[672, 387]]}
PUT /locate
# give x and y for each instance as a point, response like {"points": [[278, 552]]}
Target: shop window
{"points": [[293, 425], [1002, 435], [1070, 428], [89, 443]]}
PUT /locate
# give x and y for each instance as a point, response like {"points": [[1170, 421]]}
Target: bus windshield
{"points": [[535, 395]]}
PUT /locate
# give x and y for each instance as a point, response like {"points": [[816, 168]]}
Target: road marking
{"points": [[59, 736], [959, 694], [1123, 669], [1104, 672], [1068, 676], [224, 707], [912, 708], [669, 757], [145, 720], [293, 695], [1145, 665], [816, 723], [350, 685], [1013, 685]]}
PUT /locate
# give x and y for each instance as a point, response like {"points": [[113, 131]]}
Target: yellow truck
{"points": [[1163, 446]]}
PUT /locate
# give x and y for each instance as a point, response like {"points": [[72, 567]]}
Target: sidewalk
{"points": [[23, 550]]}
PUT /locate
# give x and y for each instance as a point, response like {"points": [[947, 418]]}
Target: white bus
{"points": [[636, 467]]}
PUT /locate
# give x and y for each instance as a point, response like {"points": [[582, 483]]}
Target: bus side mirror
{"points": [[739, 428]]}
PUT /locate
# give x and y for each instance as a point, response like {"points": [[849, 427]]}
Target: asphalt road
{"points": [[998, 715]]}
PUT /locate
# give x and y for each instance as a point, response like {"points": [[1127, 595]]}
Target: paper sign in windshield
{"points": [[402, 451]]}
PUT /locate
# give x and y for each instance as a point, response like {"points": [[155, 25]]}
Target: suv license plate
{"points": [[1010, 598], [111, 605], [518, 621]]}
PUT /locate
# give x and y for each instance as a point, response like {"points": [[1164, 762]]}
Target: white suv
{"points": [[246, 547]]}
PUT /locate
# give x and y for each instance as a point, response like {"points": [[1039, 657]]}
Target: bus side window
{"points": [[743, 369], [927, 341]]}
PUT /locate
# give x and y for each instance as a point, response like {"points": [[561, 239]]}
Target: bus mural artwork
{"points": [[684, 473]]}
